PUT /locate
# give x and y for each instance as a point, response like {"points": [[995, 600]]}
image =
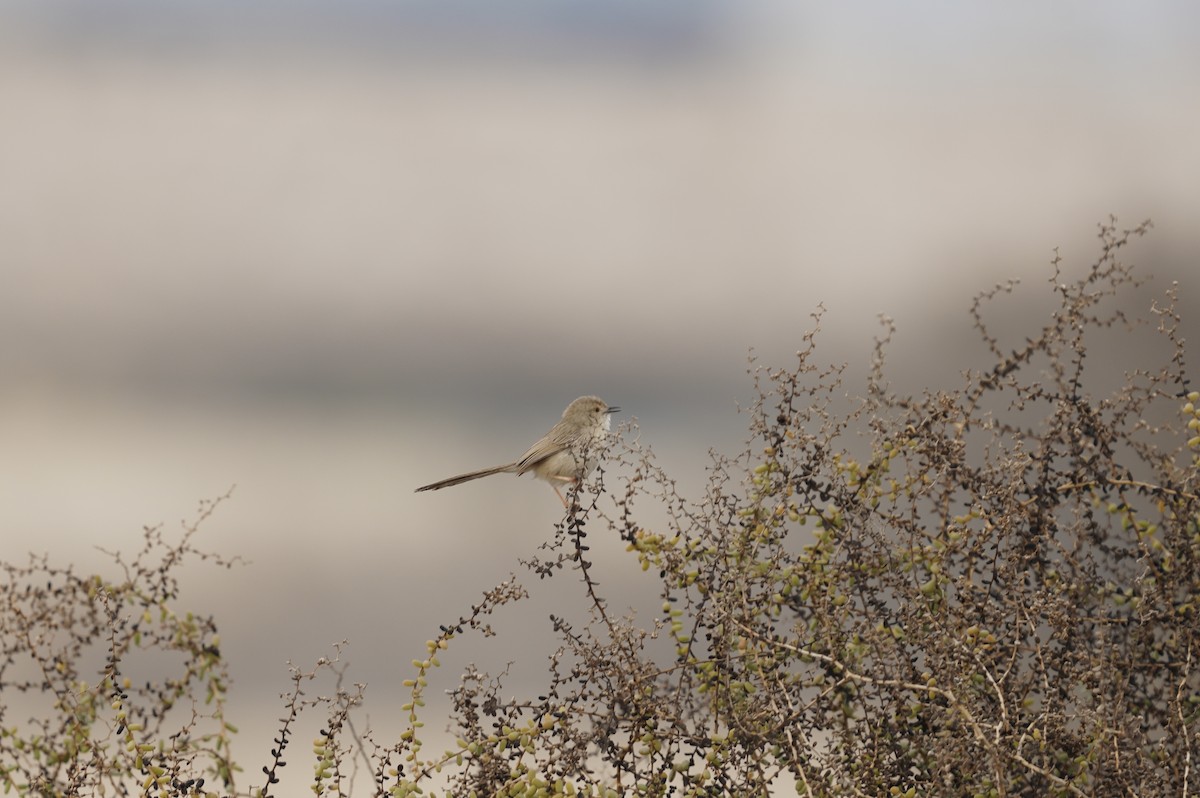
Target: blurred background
{"points": [[333, 251]]}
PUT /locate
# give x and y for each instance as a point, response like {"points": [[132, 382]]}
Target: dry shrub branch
{"points": [[75, 640]]}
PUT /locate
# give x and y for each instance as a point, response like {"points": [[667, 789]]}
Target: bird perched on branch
{"points": [[564, 455]]}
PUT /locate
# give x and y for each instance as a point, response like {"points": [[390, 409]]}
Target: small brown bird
{"points": [[565, 454]]}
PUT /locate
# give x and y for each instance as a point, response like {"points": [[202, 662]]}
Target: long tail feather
{"points": [[461, 478]]}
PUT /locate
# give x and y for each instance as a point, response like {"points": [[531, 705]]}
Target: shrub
{"points": [[989, 590]]}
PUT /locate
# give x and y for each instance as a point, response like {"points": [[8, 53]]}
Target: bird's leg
{"points": [[568, 480]]}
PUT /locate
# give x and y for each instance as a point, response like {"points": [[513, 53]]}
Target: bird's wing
{"points": [[545, 447]]}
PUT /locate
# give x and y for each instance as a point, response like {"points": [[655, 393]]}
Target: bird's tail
{"points": [[461, 478]]}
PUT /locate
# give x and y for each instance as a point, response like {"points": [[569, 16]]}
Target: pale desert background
{"points": [[333, 251]]}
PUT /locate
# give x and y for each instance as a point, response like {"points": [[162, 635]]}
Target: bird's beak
{"points": [[613, 410]]}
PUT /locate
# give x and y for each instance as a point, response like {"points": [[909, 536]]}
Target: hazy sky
{"points": [[331, 251]]}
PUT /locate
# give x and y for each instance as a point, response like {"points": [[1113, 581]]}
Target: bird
{"points": [[564, 455]]}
